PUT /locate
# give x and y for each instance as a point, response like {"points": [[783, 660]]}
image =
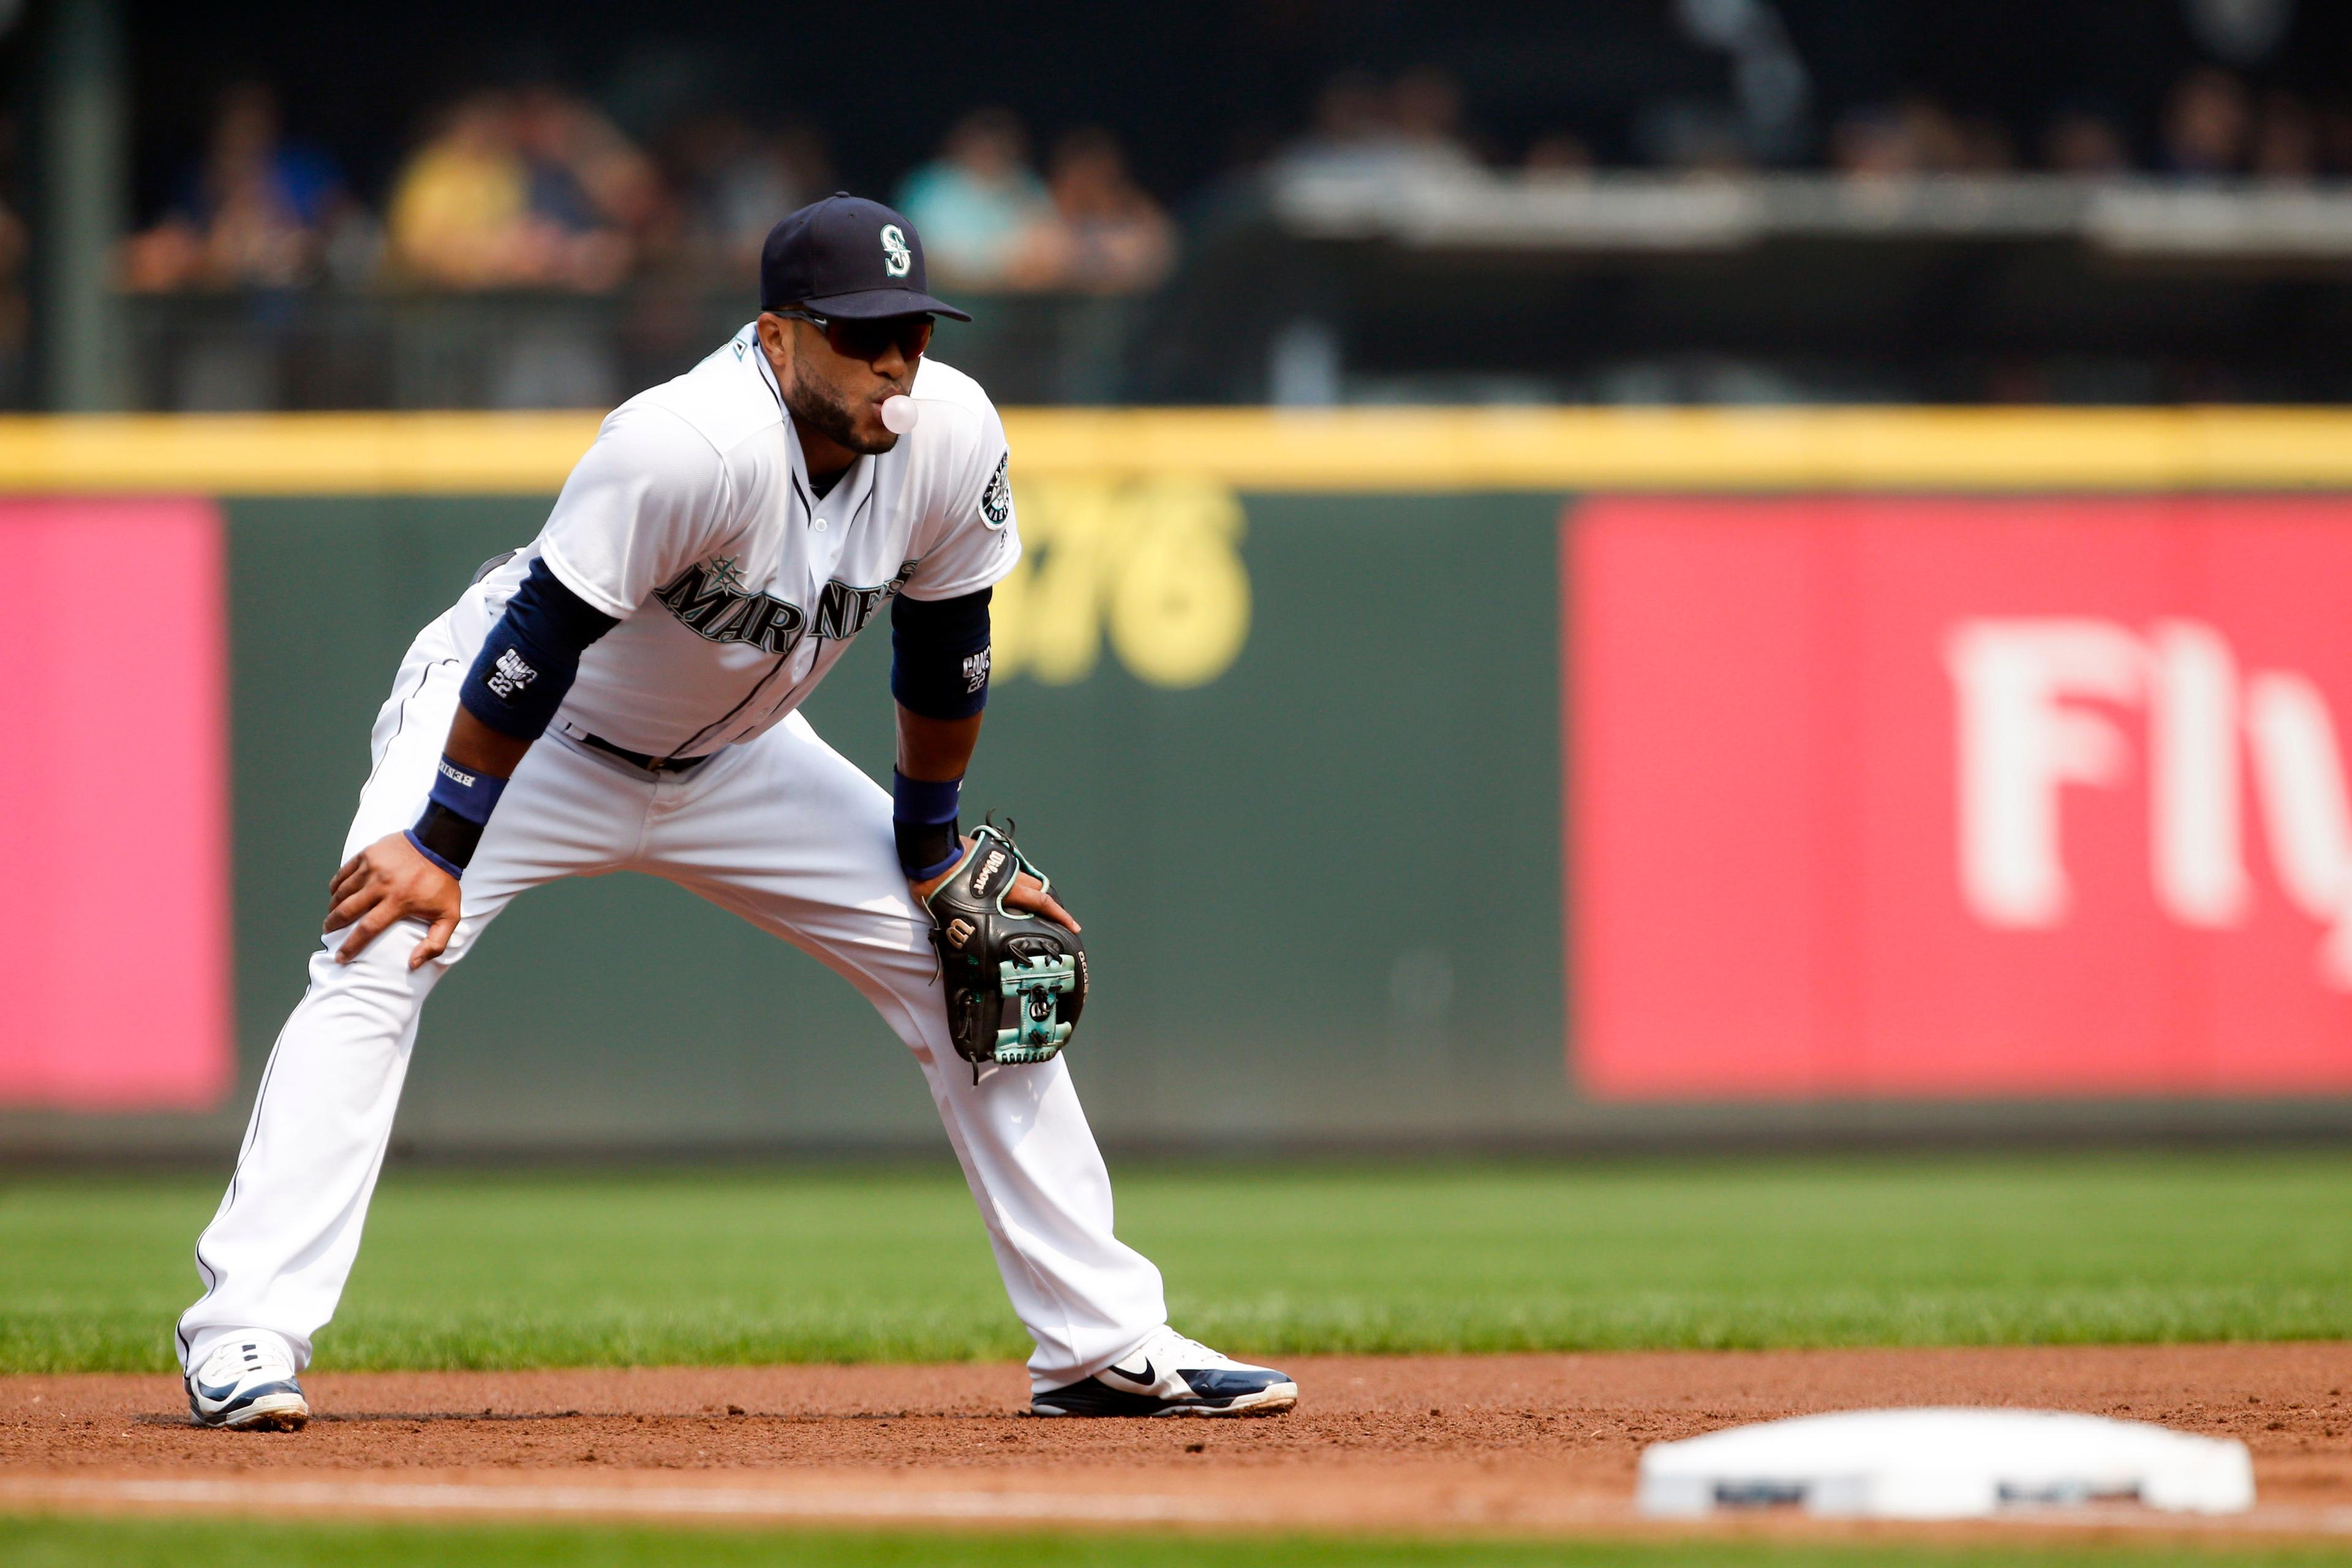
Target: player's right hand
{"points": [[389, 882]]}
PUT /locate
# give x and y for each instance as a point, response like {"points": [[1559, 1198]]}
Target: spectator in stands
{"points": [[534, 190], [1985, 146], [2335, 138], [1364, 127], [1694, 137], [1872, 143], [986, 219], [590, 190], [2206, 121], [460, 208], [1426, 111], [1559, 154], [1916, 136], [1113, 239], [2085, 144], [255, 213], [733, 184], [2285, 140], [1351, 122]]}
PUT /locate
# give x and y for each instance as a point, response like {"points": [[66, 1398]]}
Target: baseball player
{"points": [[623, 694]]}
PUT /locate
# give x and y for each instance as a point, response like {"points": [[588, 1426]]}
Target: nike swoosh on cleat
{"points": [[1147, 1377], [216, 1395]]}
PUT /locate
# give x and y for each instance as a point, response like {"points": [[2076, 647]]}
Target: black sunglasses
{"points": [[867, 339]]}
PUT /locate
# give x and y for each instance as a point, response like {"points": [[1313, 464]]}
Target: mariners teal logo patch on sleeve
{"points": [[897, 260], [996, 500]]}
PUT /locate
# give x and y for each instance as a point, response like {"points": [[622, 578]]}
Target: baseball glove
{"points": [[1014, 981]]}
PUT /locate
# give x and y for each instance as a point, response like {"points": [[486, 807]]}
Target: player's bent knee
{"points": [[386, 960]]}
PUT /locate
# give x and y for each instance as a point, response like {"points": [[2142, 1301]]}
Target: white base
{"points": [[1945, 1464]]}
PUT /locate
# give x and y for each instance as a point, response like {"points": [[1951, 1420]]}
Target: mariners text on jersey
{"points": [[709, 599]]}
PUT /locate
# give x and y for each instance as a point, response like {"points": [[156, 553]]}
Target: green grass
{"points": [[504, 1271], [139, 1543]]}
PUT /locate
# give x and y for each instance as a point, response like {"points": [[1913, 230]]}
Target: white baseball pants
{"points": [[782, 830]]}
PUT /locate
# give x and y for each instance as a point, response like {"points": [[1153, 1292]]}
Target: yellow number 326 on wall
{"points": [[1153, 564]]}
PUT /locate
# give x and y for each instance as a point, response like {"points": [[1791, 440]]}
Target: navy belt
{"points": [[639, 759]]}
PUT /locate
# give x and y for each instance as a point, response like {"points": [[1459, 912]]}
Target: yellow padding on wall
{"points": [[1371, 450]]}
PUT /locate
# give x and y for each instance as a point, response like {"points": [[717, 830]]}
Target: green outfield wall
{"points": [[1279, 702], [1319, 877]]}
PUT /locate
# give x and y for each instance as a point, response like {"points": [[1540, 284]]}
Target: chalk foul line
{"points": [[721, 1502]]}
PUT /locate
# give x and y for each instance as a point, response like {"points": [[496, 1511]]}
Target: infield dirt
{"points": [[1517, 1443]]}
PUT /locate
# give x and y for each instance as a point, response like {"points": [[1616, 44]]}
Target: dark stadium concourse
{"points": [[1193, 90], [257, 204]]}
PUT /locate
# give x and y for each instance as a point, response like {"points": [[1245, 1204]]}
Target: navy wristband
{"points": [[467, 791], [455, 815], [924, 800], [451, 866], [923, 818]]}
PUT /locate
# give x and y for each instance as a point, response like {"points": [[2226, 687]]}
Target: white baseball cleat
{"points": [[1168, 1374], [248, 1384]]}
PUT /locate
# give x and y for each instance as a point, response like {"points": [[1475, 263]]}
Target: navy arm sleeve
{"points": [[938, 655], [528, 660]]}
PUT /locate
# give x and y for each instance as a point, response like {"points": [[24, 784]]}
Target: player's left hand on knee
{"points": [[389, 882], [1027, 894]]}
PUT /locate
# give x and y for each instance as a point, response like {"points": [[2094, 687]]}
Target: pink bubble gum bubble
{"points": [[899, 414]]}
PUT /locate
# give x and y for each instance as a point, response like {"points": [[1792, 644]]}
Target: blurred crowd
{"points": [[2212, 125], [534, 187]]}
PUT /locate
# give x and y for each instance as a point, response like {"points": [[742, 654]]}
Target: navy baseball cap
{"points": [[848, 258]]}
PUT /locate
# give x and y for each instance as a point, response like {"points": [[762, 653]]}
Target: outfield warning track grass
{"points": [[740, 1266]]}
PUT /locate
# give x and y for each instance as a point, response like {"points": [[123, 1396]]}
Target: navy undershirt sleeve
{"points": [[938, 655], [530, 657]]}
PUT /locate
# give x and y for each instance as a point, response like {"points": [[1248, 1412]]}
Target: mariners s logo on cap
{"points": [[849, 258]]}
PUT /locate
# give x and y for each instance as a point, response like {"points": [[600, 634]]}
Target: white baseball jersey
{"points": [[693, 519]]}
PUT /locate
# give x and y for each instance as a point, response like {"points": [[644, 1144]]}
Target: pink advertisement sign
{"points": [[114, 933], [1935, 797]]}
